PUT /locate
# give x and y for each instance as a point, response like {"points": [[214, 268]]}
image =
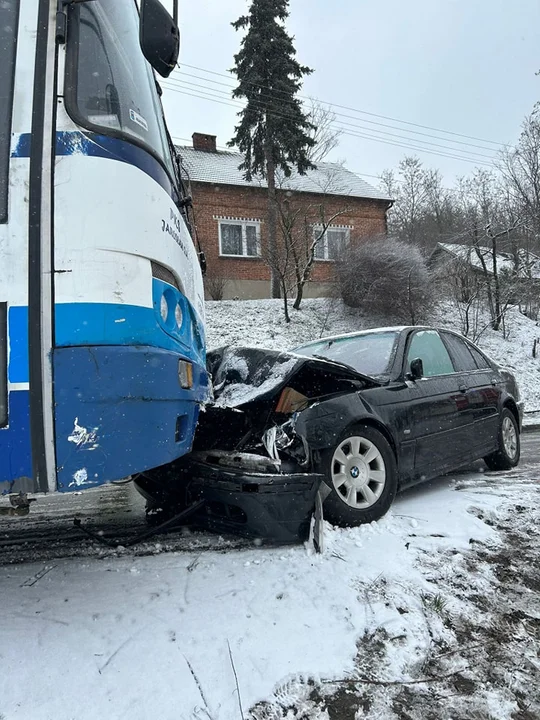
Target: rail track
{"points": [[114, 513]]}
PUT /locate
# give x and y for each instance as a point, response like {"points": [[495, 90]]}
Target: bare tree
{"points": [[520, 170], [495, 215], [303, 228], [498, 284], [278, 259], [424, 211], [520, 167], [390, 184], [412, 196], [410, 191], [454, 277], [325, 134], [491, 229]]}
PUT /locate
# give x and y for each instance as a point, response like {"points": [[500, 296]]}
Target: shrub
{"points": [[386, 278], [215, 285]]}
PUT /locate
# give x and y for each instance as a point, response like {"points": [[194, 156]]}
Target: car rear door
{"points": [[484, 395], [467, 368]]}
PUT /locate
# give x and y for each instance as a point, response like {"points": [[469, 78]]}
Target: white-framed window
{"points": [[333, 242], [240, 238]]}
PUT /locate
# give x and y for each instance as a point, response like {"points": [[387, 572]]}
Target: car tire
{"points": [[361, 472], [507, 456]]}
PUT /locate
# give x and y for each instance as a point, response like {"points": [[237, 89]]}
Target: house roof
{"points": [[221, 167], [528, 263]]}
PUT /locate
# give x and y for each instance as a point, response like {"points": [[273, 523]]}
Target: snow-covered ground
{"points": [[431, 613], [259, 323]]}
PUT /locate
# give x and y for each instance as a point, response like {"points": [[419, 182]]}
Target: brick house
{"points": [[230, 214]]}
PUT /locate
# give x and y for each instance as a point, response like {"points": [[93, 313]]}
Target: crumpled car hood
{"points": [[244, 375]]}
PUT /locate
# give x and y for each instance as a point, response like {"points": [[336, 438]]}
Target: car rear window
{"points": [[461, 355], [481, 362]]}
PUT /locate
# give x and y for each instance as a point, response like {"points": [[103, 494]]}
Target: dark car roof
{"points": [[358, 333], [391, 328]]}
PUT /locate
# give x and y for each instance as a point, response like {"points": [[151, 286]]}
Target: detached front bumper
{"points": [[262, 505]]}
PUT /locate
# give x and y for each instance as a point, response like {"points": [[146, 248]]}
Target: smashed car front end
{"points": [[255, 455], [242, 494]]}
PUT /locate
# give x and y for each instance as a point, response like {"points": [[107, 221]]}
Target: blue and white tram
{"points": [[102, 345]]}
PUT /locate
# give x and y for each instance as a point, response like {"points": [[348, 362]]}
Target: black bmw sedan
{"points": [[352, 418], [441, 403]]}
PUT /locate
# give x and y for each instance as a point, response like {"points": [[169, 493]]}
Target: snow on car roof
{"points": [[360, 333]]}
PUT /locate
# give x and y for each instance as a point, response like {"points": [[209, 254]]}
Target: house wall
{"points": [[249, 277]]}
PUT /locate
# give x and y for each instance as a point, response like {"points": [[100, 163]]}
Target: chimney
{"points": [[206, 143]]}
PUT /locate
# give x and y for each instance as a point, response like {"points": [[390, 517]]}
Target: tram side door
{"points": [[27, 97]]}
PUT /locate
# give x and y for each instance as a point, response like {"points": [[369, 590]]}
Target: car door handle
{"points": [[463, 388]]}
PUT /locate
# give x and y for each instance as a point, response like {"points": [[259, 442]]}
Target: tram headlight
{"points": [[164, 308], [178, 315]]}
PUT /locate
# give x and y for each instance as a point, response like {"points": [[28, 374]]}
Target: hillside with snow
{"points": [[260, 323]]}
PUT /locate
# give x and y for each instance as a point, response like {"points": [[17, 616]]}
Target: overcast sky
{"points": [[465, 66]]}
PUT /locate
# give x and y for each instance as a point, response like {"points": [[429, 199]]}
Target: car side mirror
{"points": [[417, 369], [159, 36]]}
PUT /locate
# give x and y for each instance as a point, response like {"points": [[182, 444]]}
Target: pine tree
{"points": [[273, 132]]}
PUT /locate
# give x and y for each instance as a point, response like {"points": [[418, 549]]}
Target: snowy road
{"points": [[530, 447], [433, 612], [114, 511], [117, 512]]}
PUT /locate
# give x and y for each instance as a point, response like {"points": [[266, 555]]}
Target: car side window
{"points": [[428, 346], [480, 360], [459, 350]]}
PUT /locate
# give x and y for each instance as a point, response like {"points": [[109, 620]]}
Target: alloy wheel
{"points": [[509, 437], [358, 472]]}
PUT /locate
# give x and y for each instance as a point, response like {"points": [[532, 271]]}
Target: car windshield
{"points": [[370, 354]]}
